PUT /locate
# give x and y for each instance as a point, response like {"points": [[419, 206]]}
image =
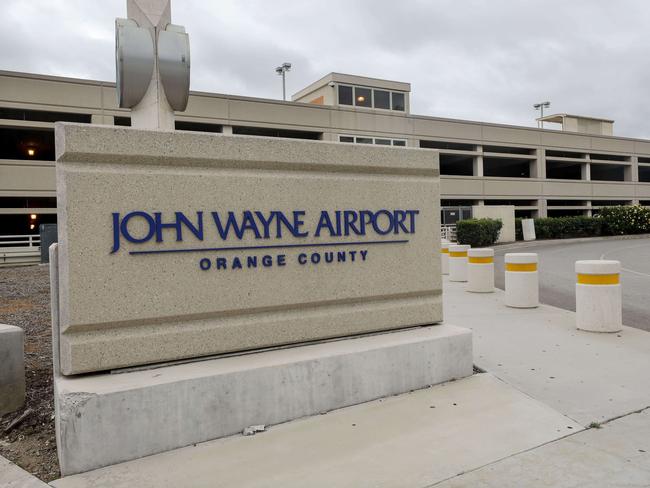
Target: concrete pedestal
{"points": [[12, 368], [599, 305], [480, 270], [109, 418], [521, 280]]}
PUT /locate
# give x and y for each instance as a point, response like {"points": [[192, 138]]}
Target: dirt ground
{"points": [[25, 302]]}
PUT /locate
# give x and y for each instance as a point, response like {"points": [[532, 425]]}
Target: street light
{"points": [[540, 106], [281, 70]]}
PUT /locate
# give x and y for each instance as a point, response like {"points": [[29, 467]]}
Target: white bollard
{"points": [[480, 270], [444, 256], [522, 283], [458, 262], [598, 296]]}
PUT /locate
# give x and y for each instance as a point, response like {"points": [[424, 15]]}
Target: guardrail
{"points": [[19, 250], [448, 231]]}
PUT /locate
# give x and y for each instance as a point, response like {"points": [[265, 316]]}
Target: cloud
{"points": [[487, 60]]}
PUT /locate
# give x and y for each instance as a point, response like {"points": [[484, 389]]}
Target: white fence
{"points": [[17, 250], [448, 231]]}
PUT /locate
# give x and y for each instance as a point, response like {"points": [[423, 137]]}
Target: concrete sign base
{"points": [[110, 418]]}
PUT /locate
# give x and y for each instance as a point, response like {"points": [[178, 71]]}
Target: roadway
{"points": [[557, 275]]}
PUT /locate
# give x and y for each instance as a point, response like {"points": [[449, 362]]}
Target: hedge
{"points": [[619, 220], [478, 232], [628, 219]]}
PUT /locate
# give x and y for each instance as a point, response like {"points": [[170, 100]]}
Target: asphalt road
{"points": [[557, 275]]}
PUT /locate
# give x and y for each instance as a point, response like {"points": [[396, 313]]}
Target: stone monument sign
{"points": [[178, 245]]}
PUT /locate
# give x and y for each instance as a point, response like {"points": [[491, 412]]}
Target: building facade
{"points": [[542, 172]]}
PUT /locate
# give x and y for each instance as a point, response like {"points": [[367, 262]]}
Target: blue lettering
{"points": [[282, 259], [302, 258], [251, 262], [363, 254], [125, 231], [205, 264], [350, 217], [221, 263], [267, 261], [178, 225], [375, 223], [325, 221]]}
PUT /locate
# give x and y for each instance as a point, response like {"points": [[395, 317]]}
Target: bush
{"points": [[478, 232], [567, 227], [628, 219], [563, 227]]}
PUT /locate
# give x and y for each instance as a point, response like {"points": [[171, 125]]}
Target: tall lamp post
{"points": [[540, 106], [281, 70]]}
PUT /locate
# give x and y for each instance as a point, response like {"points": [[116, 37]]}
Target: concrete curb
{"points": [[557, 242]]}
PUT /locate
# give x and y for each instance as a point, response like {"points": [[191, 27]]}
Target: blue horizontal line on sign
{"points": [[276, 246]]}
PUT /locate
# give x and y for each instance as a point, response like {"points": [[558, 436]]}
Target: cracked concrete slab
{"points": [[616, 455], [584, 375], [414, 440]]}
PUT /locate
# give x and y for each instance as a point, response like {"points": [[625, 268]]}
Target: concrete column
{"points": [[541, 208], [101, 119], [538, 165], [226, 129], [633, 169], [477, 168], [585, 172], [153, 111], [589, 212]]}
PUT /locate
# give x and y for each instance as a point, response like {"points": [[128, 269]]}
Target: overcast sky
{"points": [[486, 60]]}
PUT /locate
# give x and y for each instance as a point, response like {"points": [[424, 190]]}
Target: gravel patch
{"points": [[25, 302]]}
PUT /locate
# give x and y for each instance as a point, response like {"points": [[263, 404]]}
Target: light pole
{"points": [[540, 106], [281, 70]]}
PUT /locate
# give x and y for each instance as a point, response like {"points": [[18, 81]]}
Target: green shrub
{"points": [[567, 227], [563, 227], [478, 232], [627, 219]]}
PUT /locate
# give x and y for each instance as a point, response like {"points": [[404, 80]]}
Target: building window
{"points": [[345, 95], [398, 101], [381, 141], [362, 97], [382, 99]]}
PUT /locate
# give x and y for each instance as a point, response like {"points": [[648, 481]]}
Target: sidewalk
{"points": [[509, 427]]}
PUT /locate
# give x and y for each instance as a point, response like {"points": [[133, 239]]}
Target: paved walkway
{"points": [[586, 376], [521, 424]]}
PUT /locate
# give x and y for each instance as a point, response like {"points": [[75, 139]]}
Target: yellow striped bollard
{"points": [[522, 282], [458, 262], [444, 256], [598, 296], [480, 270]]}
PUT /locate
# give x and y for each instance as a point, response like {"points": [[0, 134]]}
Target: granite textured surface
{"points": [[120, 309]]}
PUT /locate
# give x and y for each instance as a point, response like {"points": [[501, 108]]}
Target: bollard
{"points": [[444, 256], [480, 270], [522, 283], [598, 296], [458, 262]]}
